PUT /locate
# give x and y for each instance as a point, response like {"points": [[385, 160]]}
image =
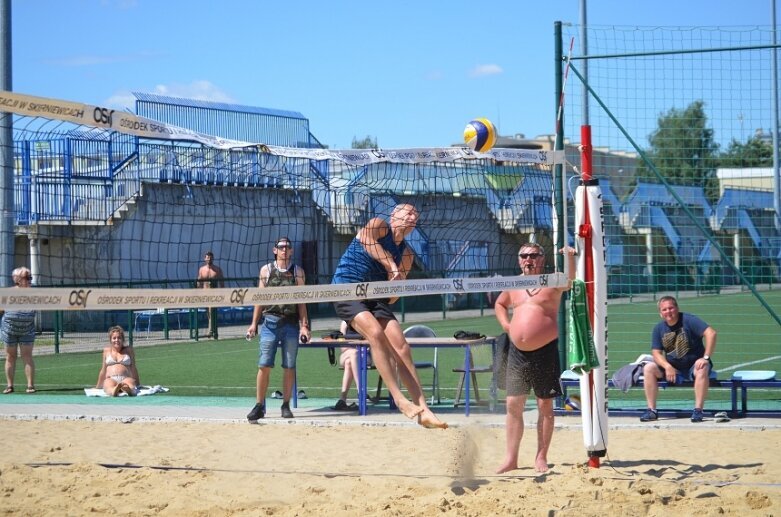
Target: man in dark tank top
{"points": [[284, 325]]}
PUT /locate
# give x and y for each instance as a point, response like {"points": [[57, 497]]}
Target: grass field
{"points": [[228, 367], [748, 338]]}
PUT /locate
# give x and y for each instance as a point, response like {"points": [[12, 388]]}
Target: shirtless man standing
{"points": [[210, 275], [533, 363]]}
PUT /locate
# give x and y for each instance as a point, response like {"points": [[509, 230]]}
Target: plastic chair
{"points": [[424, 331], [420, 331], [473, 371]]}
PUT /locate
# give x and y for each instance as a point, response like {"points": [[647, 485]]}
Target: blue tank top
{"points": [[356, 265]]}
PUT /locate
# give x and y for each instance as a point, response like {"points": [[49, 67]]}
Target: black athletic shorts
{"points": [[538, 370], [347, 310]]}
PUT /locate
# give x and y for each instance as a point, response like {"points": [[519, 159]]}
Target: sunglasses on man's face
{"points": [[529, 255], [284, 246]]}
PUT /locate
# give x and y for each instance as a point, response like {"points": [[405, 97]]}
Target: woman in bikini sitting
{"points": [[118, 371]]}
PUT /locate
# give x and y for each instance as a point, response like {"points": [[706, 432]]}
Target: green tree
{"points": [[365, 143], [756, 152], [682, 149]]}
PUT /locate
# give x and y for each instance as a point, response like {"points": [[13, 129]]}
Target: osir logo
{"points": [[78, 297], [102, 115], [237, 295], [360, 290]]}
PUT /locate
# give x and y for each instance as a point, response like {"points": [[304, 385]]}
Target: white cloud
{"points": [[483, 70], [201, 90], [122, 101]]}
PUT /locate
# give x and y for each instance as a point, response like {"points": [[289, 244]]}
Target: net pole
{"points": [[560, 178], [774, 109], [558, 192], [591, 269], [7, 210]]}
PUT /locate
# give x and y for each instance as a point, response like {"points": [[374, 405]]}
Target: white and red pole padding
{"points": [[591, 269]]}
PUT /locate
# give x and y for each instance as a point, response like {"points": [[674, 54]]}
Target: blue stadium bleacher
{"points": [[614, 235], [525, 209], [651, 206], [753, 212]]}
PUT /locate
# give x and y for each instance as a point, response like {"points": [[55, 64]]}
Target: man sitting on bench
{"points": [[678, 349]]}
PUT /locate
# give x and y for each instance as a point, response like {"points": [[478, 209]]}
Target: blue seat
{"points": [[235, 315], [754, 375], [148, 316], [745, 379], [412, 332], [424, 331]]}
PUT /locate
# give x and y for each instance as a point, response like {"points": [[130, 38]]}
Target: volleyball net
{"points": [[114, 212]]}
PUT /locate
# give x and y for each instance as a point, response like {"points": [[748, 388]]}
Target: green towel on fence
{"points": [[581, 353]]}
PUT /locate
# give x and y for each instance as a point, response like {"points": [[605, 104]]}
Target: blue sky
{"points": [[410, 73]]}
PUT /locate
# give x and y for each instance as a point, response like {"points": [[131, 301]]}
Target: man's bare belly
{"points": [[531, 327]]}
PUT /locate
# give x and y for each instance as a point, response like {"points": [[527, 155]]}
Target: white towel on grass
{"points": [[142, 390]]}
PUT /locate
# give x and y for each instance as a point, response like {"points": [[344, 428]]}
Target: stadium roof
{"points": [[194, 103]]}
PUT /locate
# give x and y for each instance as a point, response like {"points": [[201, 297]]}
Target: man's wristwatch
{"points": [[706, 357]]}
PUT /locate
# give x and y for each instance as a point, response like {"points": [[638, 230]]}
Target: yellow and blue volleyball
{"points": [[572, 403], [480, 135]]}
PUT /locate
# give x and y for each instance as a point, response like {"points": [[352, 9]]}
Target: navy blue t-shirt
{"points": [[681, 343]]}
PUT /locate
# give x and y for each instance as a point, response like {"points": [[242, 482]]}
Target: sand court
{"points": [[382, 464]]}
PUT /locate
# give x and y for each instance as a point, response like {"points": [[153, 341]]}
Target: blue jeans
{"points": [[276, 332]]}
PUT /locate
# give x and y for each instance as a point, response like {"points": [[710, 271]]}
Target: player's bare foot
{"points": [[430, 421], [507, 467], [117, 389], [541, 465], [409, 409]]}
